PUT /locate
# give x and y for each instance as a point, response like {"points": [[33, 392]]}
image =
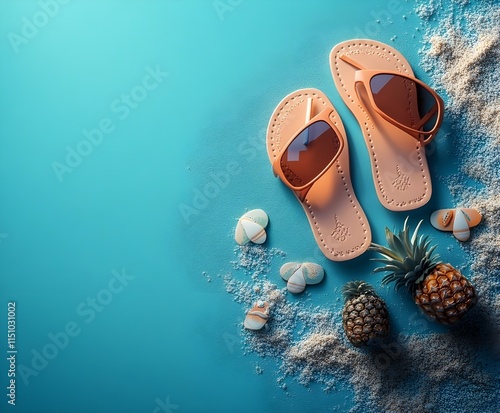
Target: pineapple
{"points": [[439, 289], [365, 316]]}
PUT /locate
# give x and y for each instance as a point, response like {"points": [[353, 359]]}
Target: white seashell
{"points": [[296, 283], [461, 229], [472, 216], [287, 270], [251, 227], [257, 316], [313, 273], [255, 232], [299, 275]]}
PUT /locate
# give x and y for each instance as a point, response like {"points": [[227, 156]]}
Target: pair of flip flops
{"points": [[400, 172]]}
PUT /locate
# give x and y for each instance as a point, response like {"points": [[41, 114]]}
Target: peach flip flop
{"points": [[338, 222], [399, 167]]}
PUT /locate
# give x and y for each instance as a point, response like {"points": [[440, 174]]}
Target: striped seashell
{"points": [[461, 229], [299, 275], [458, 220], [288, 269], [472, 216], [257, 316], [313, 273], [296, 283], [251, 227]]}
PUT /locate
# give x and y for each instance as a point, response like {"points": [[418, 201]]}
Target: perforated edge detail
{"points": [[365, 127], [334, 117]]}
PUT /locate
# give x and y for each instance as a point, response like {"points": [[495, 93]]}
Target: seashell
{"points": [[313, 273], [257, 316], [299, 275], [251, 227], [296, 283], [472, 216], [448, 215], [254, 232], [461, 229], [288, 269], [441, 219], [462, 219]]}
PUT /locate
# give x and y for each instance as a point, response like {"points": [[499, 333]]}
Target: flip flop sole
{"points": [[337, 220], [399, 167]]}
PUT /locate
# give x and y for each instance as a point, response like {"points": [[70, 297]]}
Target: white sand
{"points": [[255, 259], [463, 57]]}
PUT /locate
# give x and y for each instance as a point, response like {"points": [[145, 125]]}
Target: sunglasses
{"points": [[402, 100], [309, 153]]}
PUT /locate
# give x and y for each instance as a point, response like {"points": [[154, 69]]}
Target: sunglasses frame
{"points": [[365, 76], [301, 191]]}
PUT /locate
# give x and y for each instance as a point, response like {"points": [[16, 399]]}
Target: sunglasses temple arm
{"points": [[302, 193], [352, 62], [428, 115]]}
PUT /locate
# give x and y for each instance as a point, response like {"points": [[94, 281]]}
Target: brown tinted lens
{"points": [[309, 153], [405, 101]]}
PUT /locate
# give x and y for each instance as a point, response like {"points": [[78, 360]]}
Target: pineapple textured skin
{"points": [[365, 319], [439, 289], [445, 294]]}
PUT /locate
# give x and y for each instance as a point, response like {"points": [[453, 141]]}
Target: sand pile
{"points": [[434, 373], [466, 67], [255, 259]]}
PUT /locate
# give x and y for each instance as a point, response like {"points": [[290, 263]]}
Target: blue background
{"points": [[165, 335]]}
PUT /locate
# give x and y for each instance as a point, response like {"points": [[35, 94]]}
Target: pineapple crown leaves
{"points": [[354, 289], [408, 260]]}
